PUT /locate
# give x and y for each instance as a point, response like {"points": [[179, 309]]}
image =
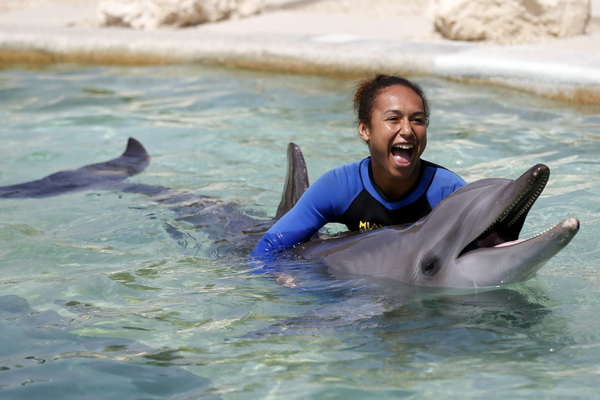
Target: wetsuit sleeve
{"points": [[320, 204]]}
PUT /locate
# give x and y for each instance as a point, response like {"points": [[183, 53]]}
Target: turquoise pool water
{"points": [[98, 300]]}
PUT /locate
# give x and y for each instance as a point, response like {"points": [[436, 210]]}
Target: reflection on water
{"points": [[107, 293]]}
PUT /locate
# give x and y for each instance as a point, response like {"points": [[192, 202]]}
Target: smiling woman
{"points": [[394, 125], [392, 186]]}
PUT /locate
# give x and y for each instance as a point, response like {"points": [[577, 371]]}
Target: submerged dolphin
{"points": [[469, 240], [102, 175], [232, 228]]}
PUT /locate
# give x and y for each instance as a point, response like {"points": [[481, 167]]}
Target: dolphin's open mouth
{"points": [[505, 229]]}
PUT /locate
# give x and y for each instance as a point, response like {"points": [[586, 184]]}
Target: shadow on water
{"points": [[442, 320], [452, 325], [413, 340], [76, 366]]}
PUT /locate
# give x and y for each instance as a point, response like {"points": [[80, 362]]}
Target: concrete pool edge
{"points": [[567, 74]]}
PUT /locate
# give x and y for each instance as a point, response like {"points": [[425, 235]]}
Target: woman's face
{"points": [[397, 137]]}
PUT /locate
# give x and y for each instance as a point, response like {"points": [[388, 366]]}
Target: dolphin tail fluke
{"points": [[296, 181]]}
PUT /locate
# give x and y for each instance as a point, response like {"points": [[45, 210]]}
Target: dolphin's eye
{"points": [[431, 267]]}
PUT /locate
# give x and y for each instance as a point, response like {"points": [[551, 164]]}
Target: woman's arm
{"points": [[326, 199]]}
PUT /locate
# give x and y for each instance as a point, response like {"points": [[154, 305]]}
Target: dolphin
{"points": [[232, 228], [102, 175], [470, 239]]}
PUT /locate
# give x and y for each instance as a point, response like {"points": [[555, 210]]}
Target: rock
{"points": [[510, 21], [151, 14]]}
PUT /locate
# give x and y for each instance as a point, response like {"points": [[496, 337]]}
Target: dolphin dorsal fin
{"points": [[135, 149], [134, 160], [296, 181]]}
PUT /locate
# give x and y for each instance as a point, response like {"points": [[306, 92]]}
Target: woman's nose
{"points": [[405, 128]]}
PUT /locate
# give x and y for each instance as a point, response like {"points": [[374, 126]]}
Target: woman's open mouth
{"points": [[402, 153]]}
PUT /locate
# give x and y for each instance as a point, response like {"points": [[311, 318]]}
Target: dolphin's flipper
{"points": [[101, 175], [296, 181]]}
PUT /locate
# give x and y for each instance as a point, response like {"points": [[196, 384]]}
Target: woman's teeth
{"points": [[402, 152]]}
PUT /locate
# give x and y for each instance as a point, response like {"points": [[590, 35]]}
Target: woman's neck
{"points": [[392, 188]]}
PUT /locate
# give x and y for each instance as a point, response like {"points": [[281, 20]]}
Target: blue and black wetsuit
{"points": [[348, 195]]}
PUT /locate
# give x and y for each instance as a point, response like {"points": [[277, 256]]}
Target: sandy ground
{"points": [[346, 12], [358, 7], [365, 8], [11, 5]]}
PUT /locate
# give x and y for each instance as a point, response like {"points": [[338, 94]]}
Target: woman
{"points": [[392, 186]]}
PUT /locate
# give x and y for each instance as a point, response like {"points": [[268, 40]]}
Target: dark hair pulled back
{"points": [[367, 91]]}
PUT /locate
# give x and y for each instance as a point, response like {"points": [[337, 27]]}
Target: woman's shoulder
{"points": [[339, 185], [443, 183], [347, 172], [443, 174]]}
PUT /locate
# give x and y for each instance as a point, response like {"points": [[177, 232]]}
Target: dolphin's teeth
{"points": [[530, 202], [516, 210], [524, 240]]}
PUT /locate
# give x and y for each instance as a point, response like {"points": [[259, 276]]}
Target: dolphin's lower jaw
{"points": [[515, 261]]}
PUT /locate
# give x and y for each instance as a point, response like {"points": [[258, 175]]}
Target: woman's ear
{"points": [[363, 131]]}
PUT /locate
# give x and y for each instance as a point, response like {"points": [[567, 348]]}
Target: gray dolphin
{"points": [[233, 229], [469, 240], [101, 175]]}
